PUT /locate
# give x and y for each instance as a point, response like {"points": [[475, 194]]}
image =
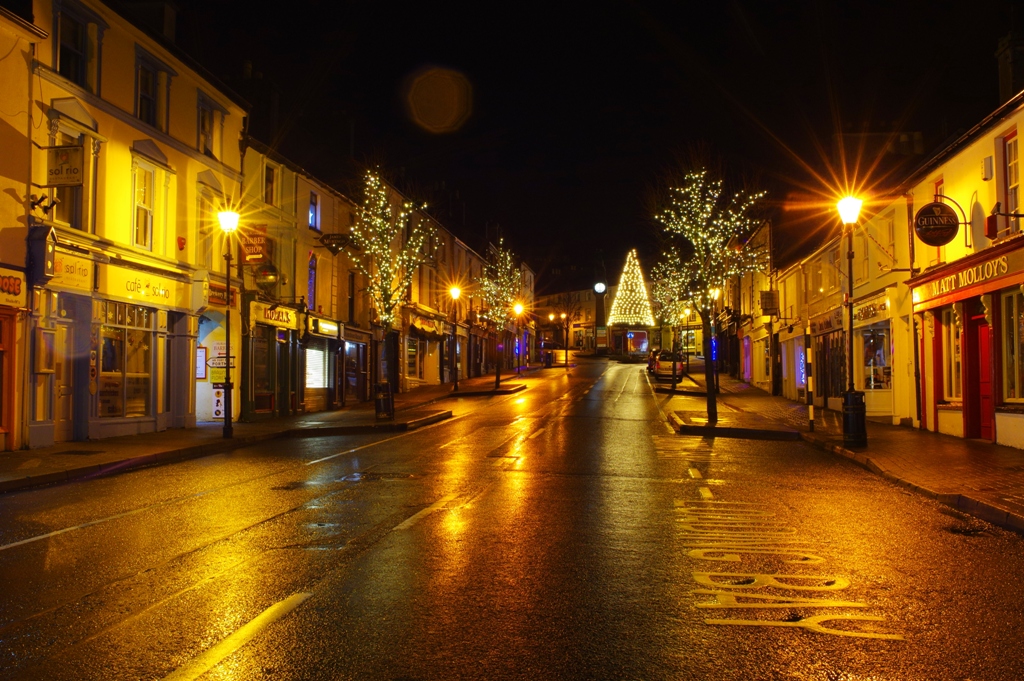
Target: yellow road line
{"points": [[695, 474], [212, 657], [705, 493], [412, 520]]}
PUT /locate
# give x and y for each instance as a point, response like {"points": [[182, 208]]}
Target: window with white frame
{"points": [[889, 233], [314, 211], [1013, 338], [952, 385], [152, 89], [68, 210], [143, 189], [1012, 175], [205, 222], [77, 44], [834, 280], [205, 127]]}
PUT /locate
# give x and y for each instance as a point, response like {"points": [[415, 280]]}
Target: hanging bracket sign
{"points": [[936, 224]]}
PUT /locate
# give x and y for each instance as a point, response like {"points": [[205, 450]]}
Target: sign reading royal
{"points": [[64, 166], [274, 315], [936, 224]]}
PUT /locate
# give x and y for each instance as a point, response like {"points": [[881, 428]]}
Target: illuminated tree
{"points": [[388, 246], [706, 248], [632, 306], [500, 286]]}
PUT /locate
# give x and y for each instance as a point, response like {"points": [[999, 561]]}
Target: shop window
{"points": [[951, 359], [351, 297], [415, 349], [126, 351], [1013, 335], [877, 360], [263, 385], [316, 367]]}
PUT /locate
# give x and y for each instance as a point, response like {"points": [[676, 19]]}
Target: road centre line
{"points": [[695, 474], [212, 657], [537, 432], [705, 493], [413, 519]]}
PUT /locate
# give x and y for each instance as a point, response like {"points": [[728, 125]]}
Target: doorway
{"points": [[63, 388]]}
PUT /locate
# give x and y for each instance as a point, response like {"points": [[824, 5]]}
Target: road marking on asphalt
{"points": [[93, 522], [754, 580], [31, 463], [212, 657], [356, 449], [815, 624], [705, 493], [412, 520], [695, 474], [537, 432]]}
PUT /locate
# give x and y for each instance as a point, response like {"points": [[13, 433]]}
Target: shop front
{"points": [[873, 346], [971, 315], [272, 376], [424, 355], [829, 339], [13, 304], [322, 352], [353, 367], [107, 340], [792, 342]]}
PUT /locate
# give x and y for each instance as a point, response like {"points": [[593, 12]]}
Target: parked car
{"points": [[663, 364]]}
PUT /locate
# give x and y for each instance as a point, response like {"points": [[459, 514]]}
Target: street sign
{"points": [[936, 224], [220, 362], [335, 242]]}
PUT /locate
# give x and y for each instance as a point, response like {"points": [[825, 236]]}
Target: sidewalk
{"points": [[27, 468], [977, 477]]}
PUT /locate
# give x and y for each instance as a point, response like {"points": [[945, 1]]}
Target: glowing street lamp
{"points": [[228, 220], [518, 309], [455, 292], [855, 429], [565, 338]]}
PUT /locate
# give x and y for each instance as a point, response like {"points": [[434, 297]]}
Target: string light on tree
{"points": [[632, 306]]}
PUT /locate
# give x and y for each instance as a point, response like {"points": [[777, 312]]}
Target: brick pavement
{"points": [[978, 477]]}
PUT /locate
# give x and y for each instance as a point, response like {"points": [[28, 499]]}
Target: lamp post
{"points": [[228, 224], [686, 338], [599, 289], [715, 293], [565, 338], [855, 431], [518, 309], [455, 292]]}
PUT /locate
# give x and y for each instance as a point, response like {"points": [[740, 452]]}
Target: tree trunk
{"points": [[709, 367], [389, 358]]}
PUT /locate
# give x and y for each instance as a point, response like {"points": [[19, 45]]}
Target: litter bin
{"points": [[547, 359], [855, 426], [384, 401]]}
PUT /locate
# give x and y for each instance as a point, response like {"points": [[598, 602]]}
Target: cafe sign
{"points": [[144, 288], [71, 272], [936, 224], [830, 321]]}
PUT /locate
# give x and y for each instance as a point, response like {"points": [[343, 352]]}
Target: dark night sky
{"points": [[581, 110]]}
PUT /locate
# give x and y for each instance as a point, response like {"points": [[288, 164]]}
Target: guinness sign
{"points": [[936, 224]]}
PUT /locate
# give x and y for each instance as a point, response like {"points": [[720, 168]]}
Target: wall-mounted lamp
{"points": [[40, 202]]}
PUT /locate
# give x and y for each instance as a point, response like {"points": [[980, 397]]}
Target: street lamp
{"points": [[455, 292], [686, 338], [518, 309], [855, 428], [565, 338], [228, 224]]}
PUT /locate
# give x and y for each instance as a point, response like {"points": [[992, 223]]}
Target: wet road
{"points": [[560, 533]]}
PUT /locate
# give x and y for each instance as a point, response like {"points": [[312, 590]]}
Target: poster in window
{"points": [[200, 362]]}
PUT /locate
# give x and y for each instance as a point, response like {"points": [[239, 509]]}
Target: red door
{"points": [[984, 383]]}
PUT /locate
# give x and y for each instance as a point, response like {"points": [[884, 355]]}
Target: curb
{"points": [[982, 510], [669, 391], [732, 432], [510, 390], [385, 427], [207, 449]]}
